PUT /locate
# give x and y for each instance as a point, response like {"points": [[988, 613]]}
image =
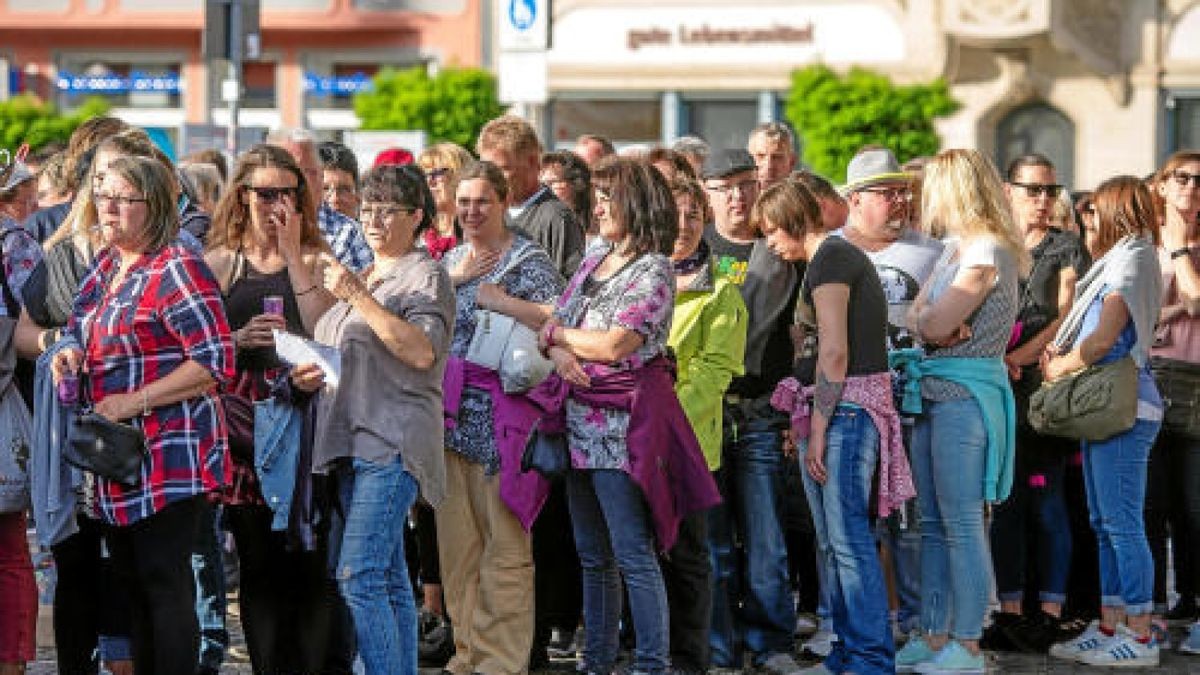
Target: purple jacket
{"points": [[512, 419], [665, 459]]}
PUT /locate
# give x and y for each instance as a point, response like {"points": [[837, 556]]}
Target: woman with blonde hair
{"points": [[963, 442], [1113, 317], [442, 162]]}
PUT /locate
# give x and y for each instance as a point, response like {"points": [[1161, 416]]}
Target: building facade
{"points": [[1101, 86], [145, 56]]}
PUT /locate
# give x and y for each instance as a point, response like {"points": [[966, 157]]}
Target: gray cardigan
{"points": [[383, 408]]}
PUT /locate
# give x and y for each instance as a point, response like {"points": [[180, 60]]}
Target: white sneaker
{"points": [[821, 643], [1074, 649], [1123, 650]]}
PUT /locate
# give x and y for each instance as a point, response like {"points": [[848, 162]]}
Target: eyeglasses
{"points": [[1087, 210], [440, 173], [896, 194], [1035, 190], [370, 212], [270, 195], [745, 187], [339, 190], [1182, 178], [122, 201]]}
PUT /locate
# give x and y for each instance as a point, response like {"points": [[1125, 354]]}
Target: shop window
{"points": [[258, 84], [724, 124], [124, 84], [1183, 122], [622, 121], [1042, 129]]}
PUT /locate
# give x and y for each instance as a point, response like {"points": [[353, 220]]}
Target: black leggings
{"points": [[89, 600], [153, 558], [289, 603], [1173, 510]]}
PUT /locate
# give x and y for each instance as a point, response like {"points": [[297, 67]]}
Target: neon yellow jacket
{"points": [[708, 335]]}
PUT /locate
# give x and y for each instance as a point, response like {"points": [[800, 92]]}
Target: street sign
{"points": [[524, 24]]}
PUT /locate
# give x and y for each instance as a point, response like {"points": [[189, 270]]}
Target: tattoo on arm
{"points": [[827, 395]]}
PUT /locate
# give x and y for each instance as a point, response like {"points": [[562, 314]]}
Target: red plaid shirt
{"points": [[166, 311]]}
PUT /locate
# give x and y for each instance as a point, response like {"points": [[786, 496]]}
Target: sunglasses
{"points": [[1182, 178], [437, 174], [1051, 190], [270, 195]]}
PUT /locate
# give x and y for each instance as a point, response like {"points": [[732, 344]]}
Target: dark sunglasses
{"points": [[1182, 178], [271, 195], [1038, 189], [438, 173]]}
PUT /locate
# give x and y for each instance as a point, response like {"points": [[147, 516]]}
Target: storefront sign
{"points": [[707, 36], [346, 85], [135, 83], [677, 35]]}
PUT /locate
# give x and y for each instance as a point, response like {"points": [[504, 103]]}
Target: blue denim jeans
{"points": [[372, 570], [841, 516], [752, 513], [615, 538], [209, 570], [1114, 474], [949, 443]]}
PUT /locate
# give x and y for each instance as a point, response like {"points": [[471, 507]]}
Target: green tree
{"points": [[27, 119], [835, 115], [451, 106]]}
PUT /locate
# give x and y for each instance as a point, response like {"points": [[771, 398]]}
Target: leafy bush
{"points": [[835, 115], [27, 119], [451, 106]]}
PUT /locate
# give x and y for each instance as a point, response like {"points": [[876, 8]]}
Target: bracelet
{"points": [[1180, 252], [306, 291], [145, 402]]}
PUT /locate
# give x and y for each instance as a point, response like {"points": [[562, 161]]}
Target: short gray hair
{"points": [[775, 131], [692, 145]]}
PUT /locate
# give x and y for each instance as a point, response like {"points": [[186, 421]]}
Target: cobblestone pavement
{"points": [[1018, 664]]}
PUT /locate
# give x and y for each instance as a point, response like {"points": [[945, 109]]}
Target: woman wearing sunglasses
{"points": [[264, 249], [1173, 493], [442, 163]]}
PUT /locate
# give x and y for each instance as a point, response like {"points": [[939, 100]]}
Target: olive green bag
{"points": [[1093, 404]]}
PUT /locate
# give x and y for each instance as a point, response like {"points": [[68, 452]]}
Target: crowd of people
{"points": [[664, 409]]}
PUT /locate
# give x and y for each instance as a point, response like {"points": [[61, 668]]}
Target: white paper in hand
{"points": [[297, 351]]}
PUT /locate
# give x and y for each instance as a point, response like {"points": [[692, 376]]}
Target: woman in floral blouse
{"points": [[608, 340]]}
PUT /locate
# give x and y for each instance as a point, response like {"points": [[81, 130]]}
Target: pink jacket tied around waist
{"points": [[664, 456], [873, 393]]}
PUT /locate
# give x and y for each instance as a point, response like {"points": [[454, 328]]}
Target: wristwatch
{"points": [[1180, 252]]}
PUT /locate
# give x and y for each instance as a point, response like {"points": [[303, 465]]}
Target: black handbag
{"points": [[108, 449], [546, 453]]}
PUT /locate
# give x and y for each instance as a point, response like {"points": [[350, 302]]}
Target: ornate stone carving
{"points": [[996, 20]]}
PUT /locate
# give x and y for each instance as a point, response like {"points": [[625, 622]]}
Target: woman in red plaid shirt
{"points": [[151, 336]]}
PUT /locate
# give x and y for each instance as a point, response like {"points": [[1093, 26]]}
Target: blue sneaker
{"points": [[954, 658], [915, 652], [1191, 644]]}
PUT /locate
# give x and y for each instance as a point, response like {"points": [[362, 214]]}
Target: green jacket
{"points": [[708, 335]]}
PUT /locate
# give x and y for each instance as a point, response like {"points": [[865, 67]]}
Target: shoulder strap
{"points": [[11, 306]]}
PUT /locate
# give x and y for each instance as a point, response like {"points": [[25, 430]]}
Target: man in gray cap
{"points": [[879, 195], [751, 473]]}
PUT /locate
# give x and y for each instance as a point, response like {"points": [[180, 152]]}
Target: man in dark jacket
{"points": [[511, 144]]}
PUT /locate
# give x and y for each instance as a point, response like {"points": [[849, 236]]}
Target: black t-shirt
{"points": [[731, 261], [837, 261], [1057, 251]]}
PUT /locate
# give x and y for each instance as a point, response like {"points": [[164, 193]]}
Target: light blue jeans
{"points": [[949, 443], [371, 570], [842, 520], [1114, 475]]}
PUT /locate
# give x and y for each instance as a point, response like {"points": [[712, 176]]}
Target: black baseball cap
{"points": [[727, 162]]}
